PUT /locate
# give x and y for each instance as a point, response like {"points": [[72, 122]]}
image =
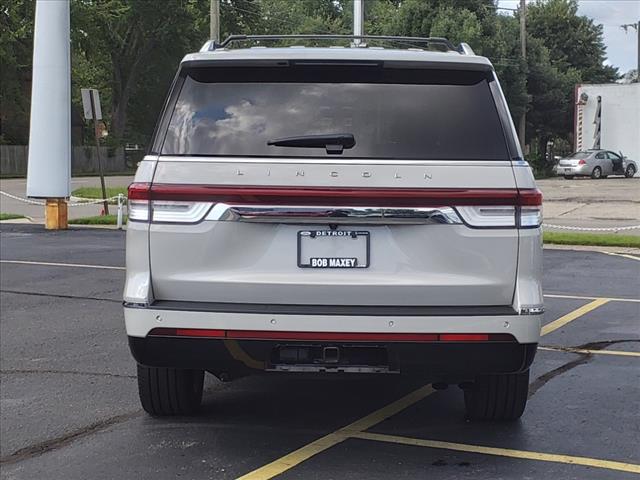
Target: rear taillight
{"points": [[526, 212], [582, 162], [478, 208], [487, 216], [143, 207], [530, 208], [138, 207]]}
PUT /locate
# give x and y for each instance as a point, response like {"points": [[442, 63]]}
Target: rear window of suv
{"points": [[392, 113]]}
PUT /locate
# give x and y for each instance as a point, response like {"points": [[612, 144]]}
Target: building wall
{"points": [[620, 118]]}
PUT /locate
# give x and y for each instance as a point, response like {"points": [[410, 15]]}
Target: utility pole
{"points": [[523, 47], [214, 21], [358, 20], [635, 26], [49, 169]]}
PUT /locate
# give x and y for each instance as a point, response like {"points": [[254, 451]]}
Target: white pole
{"points": [[119, 217], [214, 21], [358, 19], [522, 125], [49, 167]]}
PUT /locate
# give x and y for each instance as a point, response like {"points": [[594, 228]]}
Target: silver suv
{"points": [[336, 211]]}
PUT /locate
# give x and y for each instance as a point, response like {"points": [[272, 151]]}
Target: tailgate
{"points": [[419, 207], [412, 247]]}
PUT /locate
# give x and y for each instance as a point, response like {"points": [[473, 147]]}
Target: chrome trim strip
{"points": [[334, 215], [332, 161]]}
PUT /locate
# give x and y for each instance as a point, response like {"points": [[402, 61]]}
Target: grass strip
{"points": [[596, 239], [96, 192], [97, 220], [10, 216]]}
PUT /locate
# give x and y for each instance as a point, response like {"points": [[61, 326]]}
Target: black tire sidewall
{"points": [[499, 397], [170, 391]]}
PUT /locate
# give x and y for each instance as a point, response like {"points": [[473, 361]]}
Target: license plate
{"points": [[567, 170], [333, 249]]}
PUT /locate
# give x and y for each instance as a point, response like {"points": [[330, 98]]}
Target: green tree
{"points": [[573, 41], [129, 38], [16, 47]]}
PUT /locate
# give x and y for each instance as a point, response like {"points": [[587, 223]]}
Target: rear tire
{"points": [[170, 391], [497, 397], [596, 173], [568, 177], [630, 171]]}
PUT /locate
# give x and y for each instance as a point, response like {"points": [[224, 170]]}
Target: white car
{"points": [[335, 211], [595, 164]]}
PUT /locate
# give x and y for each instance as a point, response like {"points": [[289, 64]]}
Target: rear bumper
{"points": [[573, 171], [368, 340], [384, 320], [452, 362]]}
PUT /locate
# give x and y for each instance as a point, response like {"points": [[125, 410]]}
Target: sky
{"points": [[621, 47]]}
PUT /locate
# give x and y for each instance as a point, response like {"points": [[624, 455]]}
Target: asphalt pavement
{"points": [[69, 406]]}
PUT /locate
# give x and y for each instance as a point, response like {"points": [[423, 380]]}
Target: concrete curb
{"points": [[27, 221], [19, 221], [592, 248]]}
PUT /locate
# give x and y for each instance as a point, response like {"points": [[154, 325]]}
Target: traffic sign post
{"points": [[93, 111]]}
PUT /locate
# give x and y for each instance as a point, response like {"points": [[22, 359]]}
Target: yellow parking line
{"points": [[581, 297], [502, 452], [571, 316], [294, 458], [586, 351], [298, 456]]}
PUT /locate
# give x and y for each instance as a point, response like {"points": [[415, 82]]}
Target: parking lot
{"points": [[69, 406]]}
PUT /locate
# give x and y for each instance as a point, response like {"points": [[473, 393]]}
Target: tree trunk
{"points": [[125, 75]]}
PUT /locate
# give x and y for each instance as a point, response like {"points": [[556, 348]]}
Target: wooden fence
{"points": [[84, 160]]}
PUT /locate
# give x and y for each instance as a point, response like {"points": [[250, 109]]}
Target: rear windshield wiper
{"points": [[334, 143]]}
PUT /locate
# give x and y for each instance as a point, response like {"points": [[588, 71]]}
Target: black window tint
{"points": [[437, 120]]}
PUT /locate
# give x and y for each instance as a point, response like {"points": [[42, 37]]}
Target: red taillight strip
{"points": [[392, 197], [198, 332], [138, 191], [330, 336], [531, 197]]}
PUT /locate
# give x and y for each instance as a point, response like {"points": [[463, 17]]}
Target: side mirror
{"points": [[557, 157]]}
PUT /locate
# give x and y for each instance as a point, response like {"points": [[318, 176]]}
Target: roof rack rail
{"points": [[463, 48]]}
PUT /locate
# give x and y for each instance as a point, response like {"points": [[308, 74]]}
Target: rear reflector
{"points": [[198, 332], [330, 336], [464, 337]]}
